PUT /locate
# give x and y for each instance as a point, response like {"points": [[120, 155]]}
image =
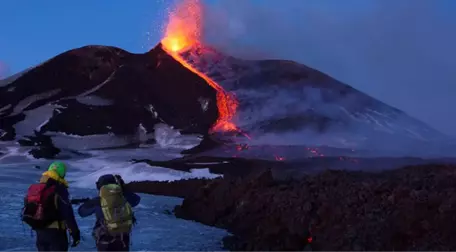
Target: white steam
{"points": [[401, 52]]}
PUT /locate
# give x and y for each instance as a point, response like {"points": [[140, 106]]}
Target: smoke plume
{"points": [[401, 52]]}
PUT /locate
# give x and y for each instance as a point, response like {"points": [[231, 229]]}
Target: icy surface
{"points": [[75, 142], [167, 137], [34, 120], [156, 230], [94, 100]]}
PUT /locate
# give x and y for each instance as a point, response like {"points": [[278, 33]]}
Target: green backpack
{"points": [[117, 211]]}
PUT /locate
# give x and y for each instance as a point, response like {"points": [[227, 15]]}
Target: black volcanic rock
{"points": [[42, 146], [226, 166], [407, 209], [207, 143], [99, 90], [180, 188]]}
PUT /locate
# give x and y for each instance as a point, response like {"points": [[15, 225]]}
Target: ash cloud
{"points": [[400, 52]]}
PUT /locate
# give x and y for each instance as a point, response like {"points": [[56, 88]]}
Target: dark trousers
{"points": [[51, 239], [119, 243]]}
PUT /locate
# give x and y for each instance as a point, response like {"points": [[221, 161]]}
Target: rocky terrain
{"points": [[411, 208]]}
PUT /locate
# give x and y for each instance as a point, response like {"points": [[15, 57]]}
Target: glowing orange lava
{"points": [[183, 32]]}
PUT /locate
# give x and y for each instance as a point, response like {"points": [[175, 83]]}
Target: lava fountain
{"points": [[182, 33]]}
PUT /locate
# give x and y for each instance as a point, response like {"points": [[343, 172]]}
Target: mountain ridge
{"points": [[113, 91]]}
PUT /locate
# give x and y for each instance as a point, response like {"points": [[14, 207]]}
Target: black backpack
{"points": [[39, 209]]}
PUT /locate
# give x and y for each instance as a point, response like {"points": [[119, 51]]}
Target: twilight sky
{"points": [[402, 52]]}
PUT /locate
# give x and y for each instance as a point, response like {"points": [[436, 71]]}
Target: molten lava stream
{"points": [[183, 32], [226, 103]]}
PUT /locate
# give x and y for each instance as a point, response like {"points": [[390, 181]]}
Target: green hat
{"points": [[59, 168]]}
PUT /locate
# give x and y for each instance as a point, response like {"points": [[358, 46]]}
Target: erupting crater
{"points": [[182, 33]]}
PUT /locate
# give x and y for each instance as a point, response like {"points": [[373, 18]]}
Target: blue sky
{"points": [[33, 31], [399, 51]]}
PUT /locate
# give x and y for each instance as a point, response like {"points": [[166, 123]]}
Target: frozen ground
{"points": [[156, 230]]}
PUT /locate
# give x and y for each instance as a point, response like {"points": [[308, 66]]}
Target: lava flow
{"points": [[183, 32]]}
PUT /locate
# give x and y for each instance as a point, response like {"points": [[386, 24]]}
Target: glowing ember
{"points": [[315, 152], [241, 147], [184, 32], [183, 28]]}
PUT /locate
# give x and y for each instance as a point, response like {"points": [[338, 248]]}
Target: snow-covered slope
{"points": [[283, 102]]}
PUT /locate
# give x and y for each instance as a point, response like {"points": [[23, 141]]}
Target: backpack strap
{"points": [[60, 224], [56, 204], [117, 180]]}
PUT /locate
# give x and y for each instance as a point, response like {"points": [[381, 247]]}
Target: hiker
{"points": [[113, 210], [48, 211]]}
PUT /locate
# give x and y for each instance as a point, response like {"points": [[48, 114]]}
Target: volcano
{"points": [[119, 99], [102, 90]]}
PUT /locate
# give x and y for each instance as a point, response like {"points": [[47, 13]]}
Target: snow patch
{"points": [[167, 137], [94, 100], [415, 134], [42, 125], [348, 113], [101, 84], [76, 142], [33, 98], [204, 103], [34, 120], [5, 108], [152, 110], [13, 153], [90, 172], [143, 136], [373, 119], [2, 133], [379, 126], [378, 113]]}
